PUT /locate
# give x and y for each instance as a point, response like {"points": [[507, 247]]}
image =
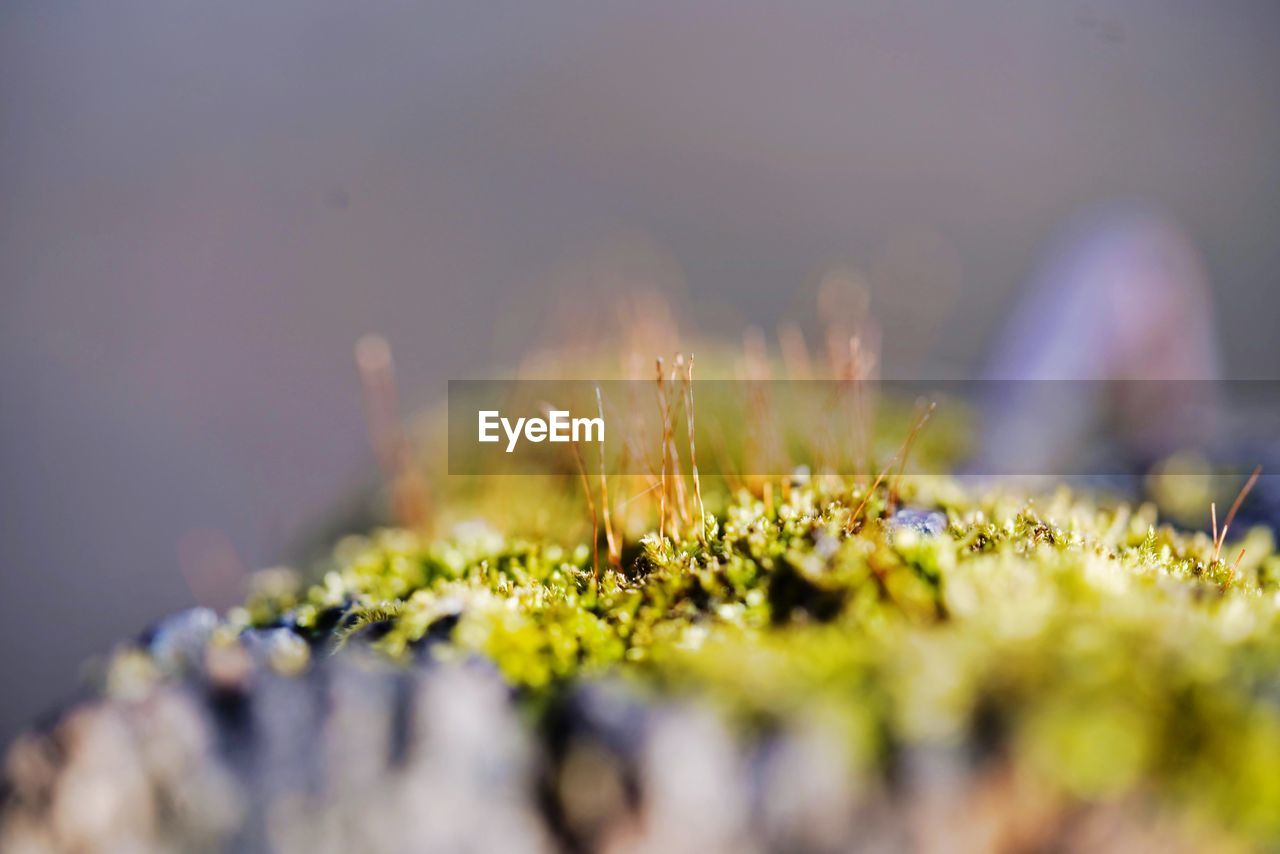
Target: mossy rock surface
{"points": [[950, 666]]}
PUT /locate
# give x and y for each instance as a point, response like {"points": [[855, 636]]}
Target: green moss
{"points": [[1090, 646]]}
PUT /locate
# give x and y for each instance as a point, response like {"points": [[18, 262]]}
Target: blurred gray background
{"points": [[203, 205]]}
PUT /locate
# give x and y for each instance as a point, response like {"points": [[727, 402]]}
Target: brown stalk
{"points": [[795, 352], [615, 557], [693, 452], [409, 497], [681, 492], [902, 449], [634, 442], [848, 527], [591, 508], [662, 412], [641, 494], [906, 451], [1235, 507], [1232, 574], [586, 491], [861, 366], [763, 447]]}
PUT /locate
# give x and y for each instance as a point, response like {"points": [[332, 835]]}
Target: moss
{"points": [[1090, 646]]}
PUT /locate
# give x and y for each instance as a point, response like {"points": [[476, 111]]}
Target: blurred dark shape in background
{"points": [[1121, 321], [203, 207]]}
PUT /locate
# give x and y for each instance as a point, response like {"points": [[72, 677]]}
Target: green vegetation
{"points": [[931, 663], [1087, 647]]}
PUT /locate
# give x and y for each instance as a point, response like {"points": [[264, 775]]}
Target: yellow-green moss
{"points": [[1090, 646]]}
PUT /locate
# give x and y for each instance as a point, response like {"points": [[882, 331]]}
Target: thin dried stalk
{"points": [[591, 509], [902, 449], [906, 451], [681, 492], [1235, 508], [1235, 566], [615, 557], [693, 451], [795, 352], [662, 413], [410, 499]]}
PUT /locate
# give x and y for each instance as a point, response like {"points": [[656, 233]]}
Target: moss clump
{"points": [[1089, 648]]}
